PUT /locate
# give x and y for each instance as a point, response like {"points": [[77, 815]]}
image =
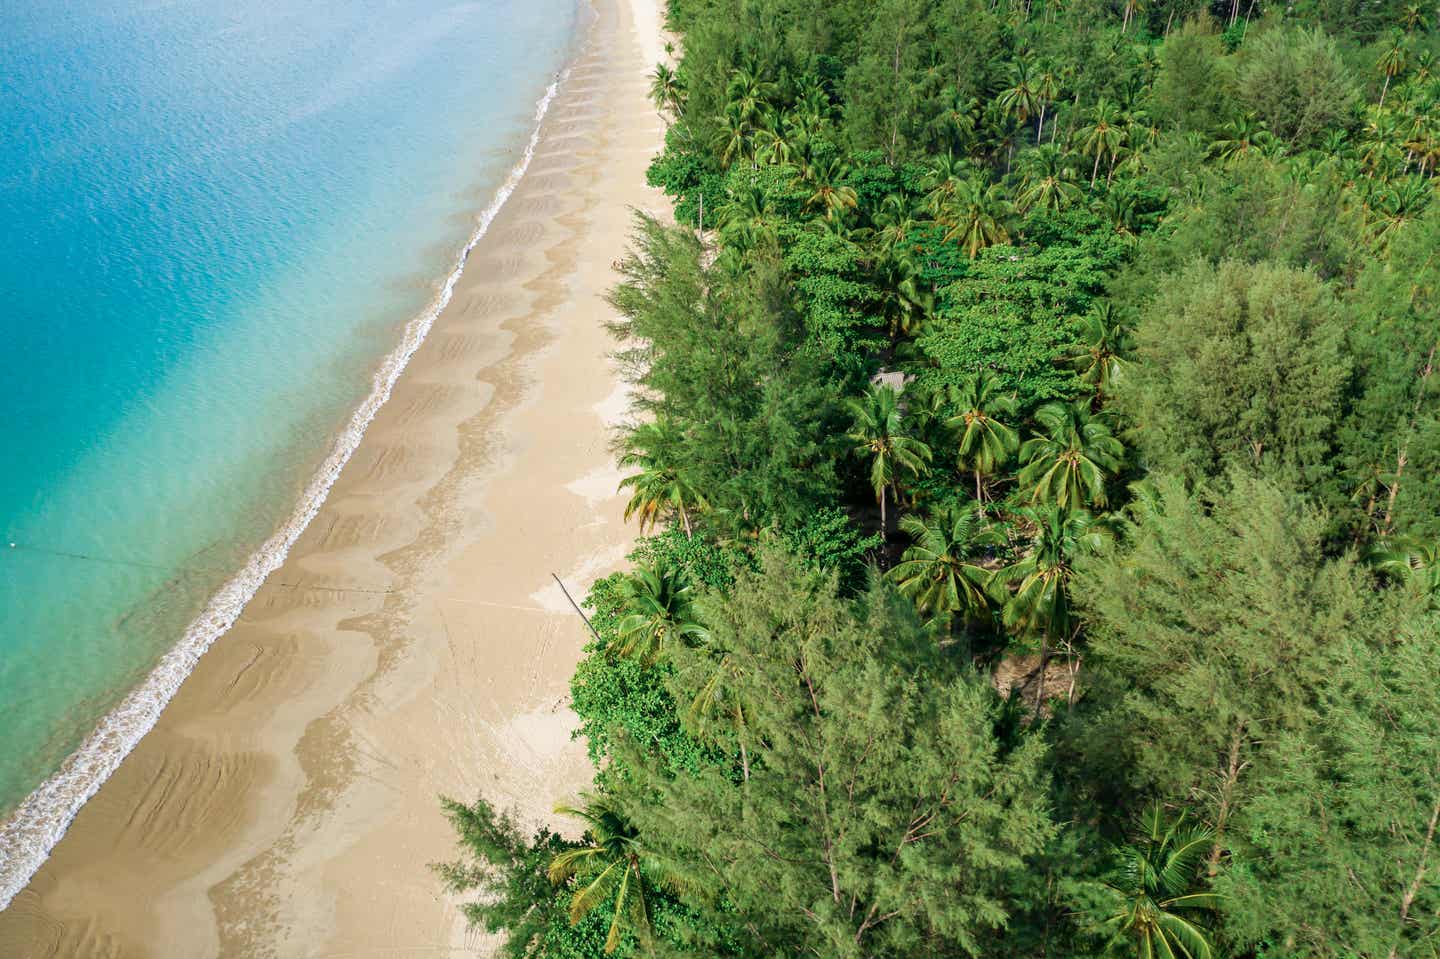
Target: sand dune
{"points": [[414, 642]]}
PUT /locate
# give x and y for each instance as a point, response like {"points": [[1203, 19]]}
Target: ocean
{"points": [[223, 229]]}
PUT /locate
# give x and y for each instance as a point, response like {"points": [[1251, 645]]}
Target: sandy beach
{"points": [[286, 803]]}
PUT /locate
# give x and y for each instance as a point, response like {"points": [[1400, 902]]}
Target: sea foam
{"points": [[39, 822]]}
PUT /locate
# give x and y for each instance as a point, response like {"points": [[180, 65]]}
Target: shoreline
{"points": [[295, 772], [40, 821]]}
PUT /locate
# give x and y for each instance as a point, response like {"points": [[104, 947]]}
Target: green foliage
{"points": [[1191, 90], [1343, 834], [1391, 442], [1155, 889], [1296, 82], [879, 783], [509, 874], [611, 693], [1239, 365], [829, 542], [1214, 625], [1122, 257], [1015, 312]]}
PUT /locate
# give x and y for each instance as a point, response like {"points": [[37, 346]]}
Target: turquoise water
{"points": [[216, 221]]}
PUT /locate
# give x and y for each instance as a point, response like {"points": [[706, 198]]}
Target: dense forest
{"points": [[1039, 453]]}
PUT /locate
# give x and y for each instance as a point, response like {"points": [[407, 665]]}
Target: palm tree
{"points": [[943, 180], [829, 194], [657, 610], [1103, 136], [938, 571], [661, 484], [976, 216], [745, 216], [903, 299], [735, 136], [1047, 180], [666, 91], [717, 696], [879, 433], [1100, 356], [893, 221], [985, 441], [1020, 99], [1040, 603], [612, 866], [1391, 63], [953, 128], [1069, 461], [1034, 591], [1241, 135], [1155, 882], [1047, 87], [749, 93], [1410, 561]]}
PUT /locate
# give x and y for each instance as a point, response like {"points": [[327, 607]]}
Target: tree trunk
{"points": [[1044, 660], [1095, 170], [884, 528], [1228, 778], [1385, 89], [1414, 887], [1403, 456]]}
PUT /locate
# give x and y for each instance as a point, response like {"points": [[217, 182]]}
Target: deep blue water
{"points": [[216, 219]]}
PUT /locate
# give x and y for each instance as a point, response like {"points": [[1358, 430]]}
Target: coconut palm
{"points": [[953, 127], [904, 302], [657, 610], [735, 136], [976, 216], [666, 91], [1241, 135], [938, 571], [943, 180], [745, 216], [718, 681], [1047, 180], [1397, 204], [1069, 460], [1047, 87], [1099, 358], [749, 93], [1156, 885], [1034, 590], [1021, 98], [828, 194], [1103, 136], [612, 866], [1391, 63], [661, 485], [985, 442], [879, 433], [894, 221], [1132, 7], [1410, 561]]}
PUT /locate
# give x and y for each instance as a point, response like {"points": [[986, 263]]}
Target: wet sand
{"points": [[286, 803]]}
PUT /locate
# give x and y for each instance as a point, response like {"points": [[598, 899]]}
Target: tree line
{"points": [[1037, 447]]}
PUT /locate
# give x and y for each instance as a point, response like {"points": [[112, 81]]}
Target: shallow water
{"points": [[216, 221]]}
